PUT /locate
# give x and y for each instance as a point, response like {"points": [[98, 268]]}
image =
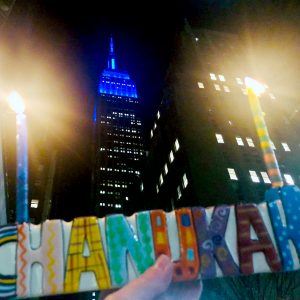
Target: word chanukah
{"points": [[91, 254]]}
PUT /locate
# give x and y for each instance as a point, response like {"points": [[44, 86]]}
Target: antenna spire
{"points": [[111, 58]]}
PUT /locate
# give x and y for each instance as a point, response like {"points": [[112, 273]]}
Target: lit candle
{"points": [[254, 89], [17, 104]]}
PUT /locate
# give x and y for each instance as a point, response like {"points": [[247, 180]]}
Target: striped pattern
{"points": [[8, 282], [49, 255], [265, 141], [86, 230], [248, 215]]}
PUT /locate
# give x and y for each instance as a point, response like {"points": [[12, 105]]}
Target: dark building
{"points": [[118, 141], [204, 149], [204, 146]]}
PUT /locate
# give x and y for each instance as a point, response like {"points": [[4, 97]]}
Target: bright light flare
{"points": [[16, 102], [255, 86]]}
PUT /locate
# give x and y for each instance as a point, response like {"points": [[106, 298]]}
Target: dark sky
{"points": [[73, 37]]}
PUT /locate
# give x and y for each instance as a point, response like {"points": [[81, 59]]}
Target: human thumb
{"points": [[150, 284]]}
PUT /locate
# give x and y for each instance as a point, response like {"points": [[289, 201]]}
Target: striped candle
{"points": [[264, 138]]}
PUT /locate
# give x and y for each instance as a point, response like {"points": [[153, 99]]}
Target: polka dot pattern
{"points": [[289, 197], [122, 240]]}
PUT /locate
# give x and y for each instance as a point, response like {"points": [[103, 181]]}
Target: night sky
{"points": [[74, 35]]}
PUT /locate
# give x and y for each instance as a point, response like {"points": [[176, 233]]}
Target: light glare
{"points": [[254, 85], [16, 102]]}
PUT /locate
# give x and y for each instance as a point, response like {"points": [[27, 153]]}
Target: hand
{"points": [[155, 283]]}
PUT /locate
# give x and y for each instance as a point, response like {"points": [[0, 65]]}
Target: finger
{"points": [[150, 284]]}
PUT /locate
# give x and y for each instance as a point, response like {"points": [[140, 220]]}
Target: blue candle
{"points": [[17, 104], [22, 169]]}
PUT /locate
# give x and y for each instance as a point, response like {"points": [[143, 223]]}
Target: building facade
{"points": [[204, 146], [118, 143], [204, 149]]}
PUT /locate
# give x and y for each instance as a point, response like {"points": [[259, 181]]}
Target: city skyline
{"points": [[75, 41]]}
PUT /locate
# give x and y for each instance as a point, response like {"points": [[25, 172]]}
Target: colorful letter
{"points": [[211, 242], [248, 215], [291, 230], [187, 268], [49, 255], [121, 239], [86, 230]]}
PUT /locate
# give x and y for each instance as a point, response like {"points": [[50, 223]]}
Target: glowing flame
{"points": [[255, 86], [16, 102]]}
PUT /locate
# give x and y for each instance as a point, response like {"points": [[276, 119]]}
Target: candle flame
{"points": [[254, 85], [16, 102]]}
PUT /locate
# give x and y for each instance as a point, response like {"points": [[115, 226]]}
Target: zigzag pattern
{"points": [[51, 263], [22, 261]]}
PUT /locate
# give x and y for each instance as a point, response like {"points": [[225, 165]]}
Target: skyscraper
{"points": [[204, 148], [118, 140]]}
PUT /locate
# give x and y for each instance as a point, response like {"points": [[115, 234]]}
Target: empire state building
{"points": [[118, 140]]}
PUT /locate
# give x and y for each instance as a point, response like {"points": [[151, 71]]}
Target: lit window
{"points": [[158, 114], [34, 203], [151, 133], [157, 189], [222, 78], [265, 177], [239, 141], [254, 176], [200, 85], [250, 142], [154, 126], [272, 145], [232, 174], [184, 180], [161, 180], [176, 145], [102, 192], [178, 193], [166, 169], [239, 80], [288, 179], [285, 147], [196, 39], [212, 76], [126, 198], [171, 156], [226, 89], [217, 87], [220, 139]]}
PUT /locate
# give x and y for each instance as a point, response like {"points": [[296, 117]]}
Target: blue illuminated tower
{"points": [[118, 141]]}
